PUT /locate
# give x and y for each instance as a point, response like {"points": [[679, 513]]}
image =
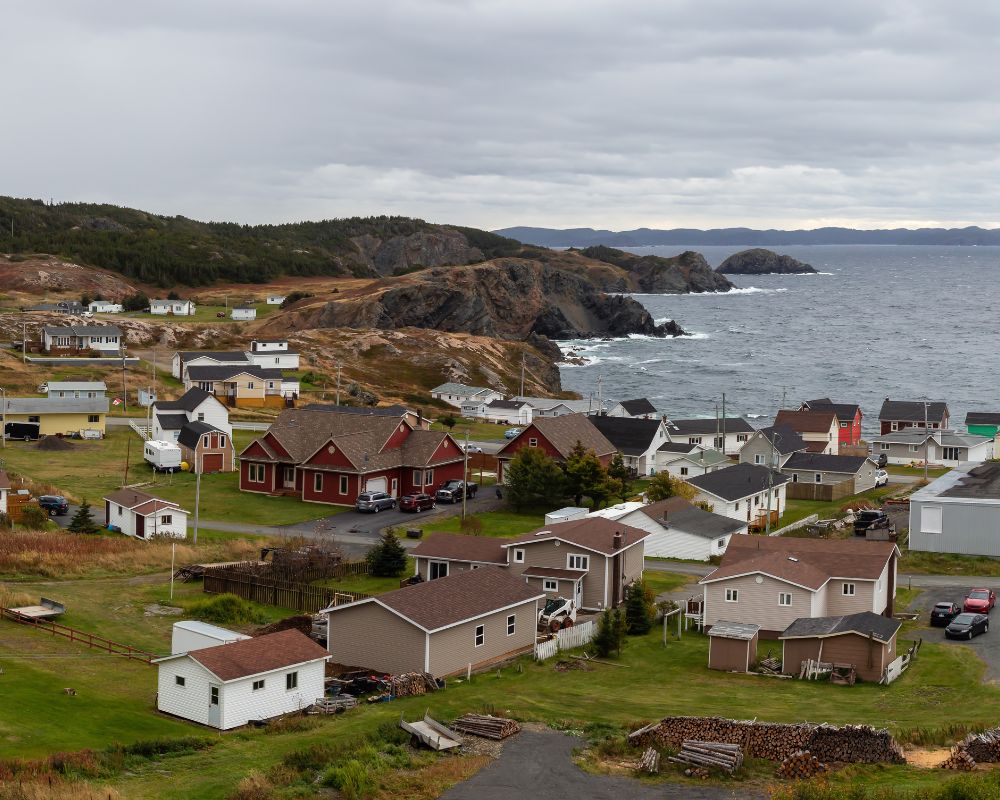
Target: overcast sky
{"points": [[557, 113]]}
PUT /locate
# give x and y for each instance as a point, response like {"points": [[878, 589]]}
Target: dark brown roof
{"points": [[458, 547], [132, 498], [593, 533], [249, 657], [807, 562], [462, 596], [806, 421], [4, 480], [565, 431]]}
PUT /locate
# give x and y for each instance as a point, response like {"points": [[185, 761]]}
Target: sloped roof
{"points": [[460, 388], [912, 410], [685, 516], [864, 624], [57, 405], [737, 481], [274, 651], [172, 422], [705, 458], [77, 386], [589, 406], [982, 418], [639, 405], [981, 481], [677, 447], [222, 372], [142, 502], [846, 412], [512, 405], [592, 533], [734, 630], [460, 597], [554, 572], [193, 431], [188, 401], [82, 330], [565, 431], [686, 427], [821, 462], [364, 411], [458, 547], [944, 438], [805, 421], [784, 439], [216, 355], [632, 436]]}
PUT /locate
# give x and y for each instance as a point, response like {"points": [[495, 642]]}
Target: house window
{"points": [[201, 417], [843, 424], [93, 418], [428, 477], [720, 543], [884, 446], [214, 696], [756, 500], [291, 681], [255, 473], [258, 685], [951, 454], [119, 511], [719, 442], [317, 481], [205, 441], [737, 506], [694, 440], [848, 589], [249, 384], [417, 475], [437, 569], [511, 622], [343, 484], [179, 680], [894, 426], [34, 418], [167, 519], [930, 519], [222, 440], [758, 458], [818, 477], [480, 635], [913, 448], [741, 437], [795, 477], [732, 595], [784, 598], [684, 470], [532, 442], [577, 561], [550, 585], [518, 556]]}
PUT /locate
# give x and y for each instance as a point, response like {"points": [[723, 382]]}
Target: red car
{"points": [[979, 601], [416, 502]]}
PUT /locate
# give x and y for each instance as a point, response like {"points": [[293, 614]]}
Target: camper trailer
{"points": [[164, 456]]}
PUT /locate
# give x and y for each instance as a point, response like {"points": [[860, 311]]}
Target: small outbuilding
{"points": [[190, 634], [732, 646], [206, 448], [144, 516], [866, 641], [243, 313]]}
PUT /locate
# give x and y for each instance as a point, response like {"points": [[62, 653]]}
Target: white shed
{"points": [[565, 515], [190, 634], [230, 685], [243, 313], [144, 516], [275, 299]]}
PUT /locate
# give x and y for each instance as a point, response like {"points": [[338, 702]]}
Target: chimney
{"points": [[618, 540]]}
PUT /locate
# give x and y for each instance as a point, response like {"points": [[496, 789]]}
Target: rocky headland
{"points": [[759, 261]]}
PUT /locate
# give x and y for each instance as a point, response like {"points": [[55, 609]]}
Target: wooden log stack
{"points": [[959, 759], [486, 726], [801, 764], [983, 747], [650, 761], [409, 684], [720, 755]]}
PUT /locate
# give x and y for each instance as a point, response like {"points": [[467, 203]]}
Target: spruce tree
{"points": [[638, 619], [83, 520], [387, 559]]}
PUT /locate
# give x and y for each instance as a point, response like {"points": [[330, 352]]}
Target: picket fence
{"points": [[566, 639]]}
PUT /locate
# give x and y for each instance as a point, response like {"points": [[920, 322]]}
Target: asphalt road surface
{"points": [[539, 764]]}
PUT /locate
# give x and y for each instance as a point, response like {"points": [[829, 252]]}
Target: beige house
{"points": [[818, 429], [444, 554], [251, 386], [468, 620], [772, 582]]}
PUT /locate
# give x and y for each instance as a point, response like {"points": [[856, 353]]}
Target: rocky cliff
{"points": [[401, 254], [759, 261], [681, 274]]}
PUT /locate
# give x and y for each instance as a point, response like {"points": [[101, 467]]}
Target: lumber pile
{"points": [[409, 684], [650, 761], [709, 754], [486, 726], [959, 759], [770, 666], [801, 764], [776, 741], [983, 747]]}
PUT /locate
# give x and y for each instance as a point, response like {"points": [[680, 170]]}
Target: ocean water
{"points": [[907, 322]]}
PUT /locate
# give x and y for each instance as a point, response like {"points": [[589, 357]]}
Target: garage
{"points": [[376, 484], [212, 462]]}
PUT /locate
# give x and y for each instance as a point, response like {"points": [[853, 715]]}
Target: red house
{"points": [[848, 418], [557, 436], [326, 457]]}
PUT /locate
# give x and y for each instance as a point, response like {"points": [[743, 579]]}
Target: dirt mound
{"points": [[45, 275], [54, 443], [302, 623]]}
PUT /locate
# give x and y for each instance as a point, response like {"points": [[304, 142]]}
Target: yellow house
{"points": [[58, 415], [241, 386]]}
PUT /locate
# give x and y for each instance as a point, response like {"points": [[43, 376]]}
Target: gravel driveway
{"points": [[986, 646], [539, 764]]}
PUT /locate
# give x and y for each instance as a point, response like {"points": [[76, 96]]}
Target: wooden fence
{"points": [[16, 503], [89, 639], [261, 586], [826, 492]]}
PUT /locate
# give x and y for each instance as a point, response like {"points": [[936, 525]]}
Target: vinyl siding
{"points": [[968, 526], [758, 603], [191, 700], [371, 637], [548, 554], [67, 423], [241, 704], [423, 566], [672, 542], [634, 563], [453, 649], [838, 603]]}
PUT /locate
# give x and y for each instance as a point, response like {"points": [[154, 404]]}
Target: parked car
{"points": [[979, 601], [881, 478], [870, 519], [944, 613], [881, 460], [512, 433], [416, 502], [55, 504], [452, 491], [965, 626], [28, 431], [374, 502], [472, 448]]}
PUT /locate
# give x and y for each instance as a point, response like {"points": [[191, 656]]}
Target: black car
{"points": [[965, 626], [452, 491], [55, 504], [943, 613], [881, 460]]}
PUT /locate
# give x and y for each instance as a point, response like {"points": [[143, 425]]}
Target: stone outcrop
{"points": [[686, 273], [759, 261], [401, 254]]}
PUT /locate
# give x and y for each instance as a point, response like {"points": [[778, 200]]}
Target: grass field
{"points": [[368, 584], [799, 509], [902, 469], [478, 431], [495, 523]]}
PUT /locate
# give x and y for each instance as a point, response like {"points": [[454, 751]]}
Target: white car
{"points": [[881, 478], [472, 448]]}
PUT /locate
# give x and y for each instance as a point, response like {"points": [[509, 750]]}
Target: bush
{"points": [[610, 636], [83, 520], [638, 609], [294, 297], [34, 517], [353, 779], [227, 609]]}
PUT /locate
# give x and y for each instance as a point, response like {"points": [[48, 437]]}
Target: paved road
{"points": [[539, 764]]}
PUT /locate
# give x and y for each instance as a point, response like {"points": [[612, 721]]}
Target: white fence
{"points": [[143, 430], [899, 665], [566, 639]]}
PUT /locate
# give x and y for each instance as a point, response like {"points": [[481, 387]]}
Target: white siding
{"points": [[176, 528], [191, 700], [274, 360], [240, 703], [672, 542], [215, 414], [183, 640], [121, 518]]}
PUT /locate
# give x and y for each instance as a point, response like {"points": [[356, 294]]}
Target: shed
{"points": [[867, 641], [191, 634], [732, 646], [206, 448], [565, 515]]}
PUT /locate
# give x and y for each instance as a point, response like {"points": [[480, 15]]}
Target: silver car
{"points": [[374, 502]]}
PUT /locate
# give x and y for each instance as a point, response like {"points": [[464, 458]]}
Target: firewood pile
{"points": [[650, 761], [801, 764], [959, 759], [983, 747], [697, 772], [408, 684], [709, 754], [776, 741], [486, 726]]}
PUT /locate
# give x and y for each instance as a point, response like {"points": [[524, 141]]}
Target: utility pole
{"points": [[338, 384], [24, 342], [197, 499], [124, 386], [770, 480], [927, 439], [723, 423], [522, 375], [465, 474]]}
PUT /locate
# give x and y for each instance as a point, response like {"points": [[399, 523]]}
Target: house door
{"points": [[578, 594], [394, 491], [437, 569], [140, 526], [214, 709], [289, 478]]}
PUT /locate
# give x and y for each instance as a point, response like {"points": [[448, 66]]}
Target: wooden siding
{"points": [[870, 657], [453, 649], [731, 655], [369, 636]]}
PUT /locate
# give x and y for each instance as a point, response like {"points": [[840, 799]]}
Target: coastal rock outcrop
{"points": [[686, 273], [759, 261], [401, 254]]}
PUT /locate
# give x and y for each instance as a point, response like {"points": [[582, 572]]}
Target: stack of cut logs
{"points": [[775, 741], [983, 747], [650, 761], [710, 754], [801, 764], [407, 684], [959, 759], [486, 726]]}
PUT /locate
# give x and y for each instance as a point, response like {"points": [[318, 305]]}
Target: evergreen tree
{"points": [[610, 636], [387, 559], [83, 520], [585, 474], [638, 614], [620, 473], [533, 479], [664, 485]]}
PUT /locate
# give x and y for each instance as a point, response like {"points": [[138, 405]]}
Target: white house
{"points": [[273, 354], [679, 529], [244, 313], [195, 405], [728, 434], [105, 307], [640, 408], [454, 394], [510, 412], [229, 685], [76, 390], [106, 340], [144, 516], [958, 512], [275, 299], [938, 446], [637, 439], [684, 460], [741, 491], [552, 407], [5, 488], [177, 308], [190, 635]]}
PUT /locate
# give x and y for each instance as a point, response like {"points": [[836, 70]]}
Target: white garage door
{"points": [[375, 485]]}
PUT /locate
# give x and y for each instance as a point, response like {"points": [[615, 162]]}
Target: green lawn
{"points": [[661, 582], [478, 430], [901, 469], [946, 564], [799, 509], [368, 584], [495, 523]]}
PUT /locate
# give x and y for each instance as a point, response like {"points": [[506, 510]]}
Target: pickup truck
{"points": [[871, 520], [452, 491]]}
